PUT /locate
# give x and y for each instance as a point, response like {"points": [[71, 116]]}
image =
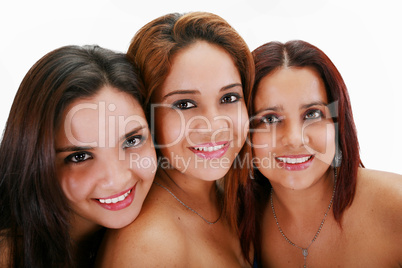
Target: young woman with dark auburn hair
{"points": [[198, 73], [66, 158], [318, 206]]}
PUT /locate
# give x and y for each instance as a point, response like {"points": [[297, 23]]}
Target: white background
{"points": [[362, 38]]}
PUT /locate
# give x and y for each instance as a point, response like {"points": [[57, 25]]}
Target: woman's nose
{"points": [[114, 172], [211, 121], [292, 135]]}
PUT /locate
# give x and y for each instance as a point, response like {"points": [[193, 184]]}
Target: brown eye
{"points": [[270, 119], [230, 98], [183, 104], [78, 157], [313, 114]]}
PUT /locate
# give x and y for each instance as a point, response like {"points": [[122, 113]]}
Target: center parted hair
{"points": [[298, 54], [154, 45], [152, 50]]}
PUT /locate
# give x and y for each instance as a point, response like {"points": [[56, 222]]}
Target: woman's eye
{"points": [[78, 157], [314, 114], [183, 104], [270, 119], [230, 98], [132, 141]]}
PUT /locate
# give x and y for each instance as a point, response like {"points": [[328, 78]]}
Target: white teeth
{"points": [[116, 199], [209, 149], [293, 160]]}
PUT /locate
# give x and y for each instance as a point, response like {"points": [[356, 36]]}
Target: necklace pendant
{"points": [[305, 252]]}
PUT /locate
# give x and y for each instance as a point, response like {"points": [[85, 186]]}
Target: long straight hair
{"points": [[152, 49], [297, 53], [34, 213]]}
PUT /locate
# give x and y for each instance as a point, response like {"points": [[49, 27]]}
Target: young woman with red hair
{"points": [[198, 73], [319, 207]]}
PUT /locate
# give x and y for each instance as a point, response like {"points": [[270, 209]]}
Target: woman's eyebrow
{"points": [[315, 103], [230, 86], [73, 149], [132, 132], [195, 91], [181, 92], [271, 108]]}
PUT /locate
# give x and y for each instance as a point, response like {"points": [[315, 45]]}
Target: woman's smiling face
{"points": [[294, 134], [200, 117], [101, 149]]}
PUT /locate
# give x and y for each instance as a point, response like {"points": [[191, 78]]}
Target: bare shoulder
{"points": [[153, 239], [379, 194], [382, 192], [384, 185]]}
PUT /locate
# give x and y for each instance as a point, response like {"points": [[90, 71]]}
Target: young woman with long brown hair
{"points": [[68, 158]]}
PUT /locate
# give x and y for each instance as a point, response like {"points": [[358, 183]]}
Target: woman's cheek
{"points": [[321, 140], [169, 127], [73, 187], [76, 181], [261, 144]]}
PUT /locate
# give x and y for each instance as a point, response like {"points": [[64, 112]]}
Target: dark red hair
{"points": [[274, 55]]}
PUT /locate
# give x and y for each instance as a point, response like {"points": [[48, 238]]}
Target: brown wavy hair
{"points": [[34, 213], [152, 49]]}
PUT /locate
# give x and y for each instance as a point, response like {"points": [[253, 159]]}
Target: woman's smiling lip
{"points": [[211, 149], [295, 162], [117, 201]]}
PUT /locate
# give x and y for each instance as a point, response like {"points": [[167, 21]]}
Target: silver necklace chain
{"points": [[305, 250], [189, 208]]}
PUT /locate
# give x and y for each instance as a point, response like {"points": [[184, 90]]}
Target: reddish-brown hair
{"points": [[152, 49], [273, 55]]}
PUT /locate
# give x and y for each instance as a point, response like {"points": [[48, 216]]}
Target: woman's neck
{"points": [[200, 195], [185, 185], [296, 205]]}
